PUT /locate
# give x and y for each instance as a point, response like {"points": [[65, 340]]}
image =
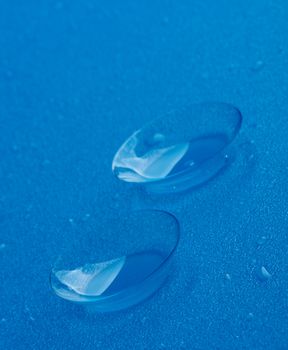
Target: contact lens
{"points": [[118, 264], [180, 150]]}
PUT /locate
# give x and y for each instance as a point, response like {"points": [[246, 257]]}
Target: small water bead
{"points": [[180, 150], [264, 274], [257, 66], [113, 268], [262, 240]]}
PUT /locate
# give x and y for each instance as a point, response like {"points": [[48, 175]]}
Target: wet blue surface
{"points": [[76, 79]]}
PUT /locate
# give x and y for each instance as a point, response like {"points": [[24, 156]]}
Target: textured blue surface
{"points": [[76, 78]]}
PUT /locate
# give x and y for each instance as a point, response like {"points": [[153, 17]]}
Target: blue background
{"points": [[76, 78]]}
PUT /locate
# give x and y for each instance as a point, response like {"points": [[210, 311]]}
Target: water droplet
{"points": [[113, 268], [29, 314], [250, 316], [86, 217], [228, 276], [186, 148], [262, 240], [257, 66], [263, 274]]}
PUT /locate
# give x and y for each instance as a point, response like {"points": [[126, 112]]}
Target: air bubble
{"points": [[184, 148], [115, 266]]}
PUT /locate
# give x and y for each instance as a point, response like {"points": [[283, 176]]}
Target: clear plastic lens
{"points": [[180, 150], [119, 264]]}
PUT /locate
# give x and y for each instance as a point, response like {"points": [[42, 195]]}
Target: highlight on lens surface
{"points": [[180, 150], [119, 264]]}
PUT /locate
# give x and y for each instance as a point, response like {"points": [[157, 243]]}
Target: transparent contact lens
{"points": [[180, 150], [117, 264]]}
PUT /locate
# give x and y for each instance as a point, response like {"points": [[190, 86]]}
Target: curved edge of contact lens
{"points": [[236, 130], [99, 302]]}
